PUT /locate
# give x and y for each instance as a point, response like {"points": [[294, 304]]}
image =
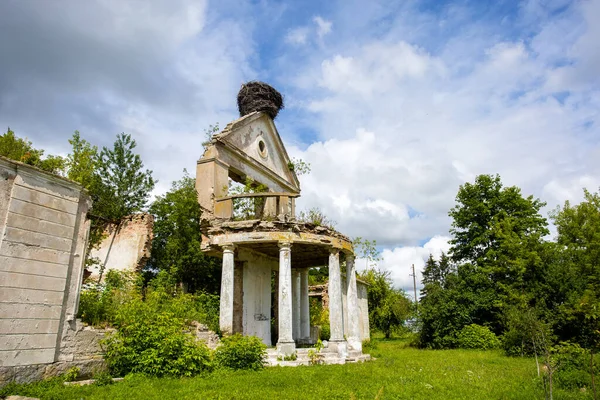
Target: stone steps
{"points": [[325, 356]]}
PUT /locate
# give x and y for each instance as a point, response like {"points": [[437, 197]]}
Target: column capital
{"points": [[228, 247], [334, 250], [350, 256], [285, 245]]}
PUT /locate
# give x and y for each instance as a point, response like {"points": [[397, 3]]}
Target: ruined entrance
{"points": [[265, 241]]}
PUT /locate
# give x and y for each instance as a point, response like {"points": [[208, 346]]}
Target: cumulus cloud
{"points": [[394, 111], [399, 261], [404, 123], [161, 70]]}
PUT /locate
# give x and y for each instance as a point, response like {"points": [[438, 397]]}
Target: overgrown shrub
{"points": [[477, 337], [99, 302], [240, 352], [320, 317], [153, 342], [573, 366]]}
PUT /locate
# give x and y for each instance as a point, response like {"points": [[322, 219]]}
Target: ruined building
{"points": [[267, 252]]}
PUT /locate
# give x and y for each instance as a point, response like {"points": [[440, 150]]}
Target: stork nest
{"points": [[258, 96]]}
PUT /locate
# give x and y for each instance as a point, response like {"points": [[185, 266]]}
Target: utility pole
{"points": [[415, 284]]}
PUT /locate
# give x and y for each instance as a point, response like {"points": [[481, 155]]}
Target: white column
{"points": [[296, 304], [304, 306], [285, 344], [353, 338], [226, 308], [336, 318]]}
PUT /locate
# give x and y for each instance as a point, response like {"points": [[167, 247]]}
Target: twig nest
{"points": [[258, 96]]}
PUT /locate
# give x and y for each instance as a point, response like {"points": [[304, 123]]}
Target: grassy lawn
{"points": [[398, 373]]}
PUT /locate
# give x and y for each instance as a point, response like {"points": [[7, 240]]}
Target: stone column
{"points": [[304, 307], [353, 335], [296, 334], [336, 317], [226, 310], [285, 344]]}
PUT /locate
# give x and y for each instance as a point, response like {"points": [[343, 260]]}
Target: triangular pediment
{"points": [[256, 136]]}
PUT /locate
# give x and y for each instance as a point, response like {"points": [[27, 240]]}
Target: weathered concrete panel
{"points": [[33, 238], [41, 226], [31, 341], [25, 252], [47, 214], [48, 183], [30, 296], [32, 267], [26, 281], [26, 357], [14, 326], [44, 199], [26, 311], [43, 235]]}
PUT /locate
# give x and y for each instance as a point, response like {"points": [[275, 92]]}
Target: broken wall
{"points": [[43, 237], [126, 245], [363, 308]]}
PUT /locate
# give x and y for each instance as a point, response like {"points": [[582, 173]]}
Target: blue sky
{"points": [[394, 104]]}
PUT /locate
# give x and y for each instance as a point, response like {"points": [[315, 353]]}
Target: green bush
{"points": [[573, 366], [153, 343], [99, 302], [240, 352], [320, 317], [477, 337]]}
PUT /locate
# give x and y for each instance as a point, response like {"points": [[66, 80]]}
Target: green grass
{"points": [[398, 373]]}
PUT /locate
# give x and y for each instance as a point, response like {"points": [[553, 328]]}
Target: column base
{"points": [[340, 347], [354, 344], [286, 348]]}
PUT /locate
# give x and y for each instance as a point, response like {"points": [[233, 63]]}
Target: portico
{"points": [[267, 252]]}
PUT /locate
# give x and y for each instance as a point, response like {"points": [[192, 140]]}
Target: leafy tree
{"points": [[367, 249], [578, 229], [176, 247], [499, 254], [22, 150], [389, 308], [82, 162], [127, 187], [497, 234], [488, 217]]}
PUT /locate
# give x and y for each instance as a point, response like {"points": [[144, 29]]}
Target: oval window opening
{"points": [[262, 148]]}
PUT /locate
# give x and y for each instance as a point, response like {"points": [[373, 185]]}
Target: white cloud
{"points": [[304, 34], [323, 26], [297, 36], [399, 261], [403, 127]]}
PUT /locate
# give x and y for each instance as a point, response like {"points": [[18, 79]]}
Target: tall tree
{"points": [[126, 184], [578, 229], [176, 244], [498, 233], [82, 162], [498, 251], [487, 216]]}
